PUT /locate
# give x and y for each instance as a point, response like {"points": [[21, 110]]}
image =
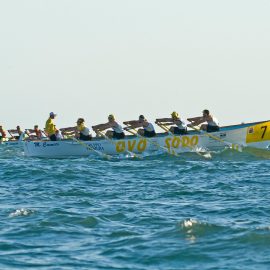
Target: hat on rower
{"points": [[80, 120], [111, 116], [52, 114], [175, 115]]}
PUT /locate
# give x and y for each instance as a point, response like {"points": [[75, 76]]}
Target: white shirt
{"points": [[118, 129], [149, 127], [59, 136], [213, 123], [180, 124], [85, 131]]}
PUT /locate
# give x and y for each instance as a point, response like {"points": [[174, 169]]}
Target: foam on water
{"points": [[21, 212]]}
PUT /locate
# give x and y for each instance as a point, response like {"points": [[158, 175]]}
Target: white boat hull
{"points": [[246, 134], [11, 143]]}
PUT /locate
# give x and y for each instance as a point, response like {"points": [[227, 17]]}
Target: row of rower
{"points": [[142, 127]]}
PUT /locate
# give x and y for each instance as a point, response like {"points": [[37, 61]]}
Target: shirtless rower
{"points": [[147, 129], [34, 134], [15, 133], [37, 132], [19, 131], [3, 133], [68, 132], [212, 122], [117, 131]]}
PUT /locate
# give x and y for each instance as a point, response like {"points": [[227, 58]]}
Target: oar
{"points": [[92, 149], [233, 146], [192, 148], [21, 137], [115, 143], [129, 129]]}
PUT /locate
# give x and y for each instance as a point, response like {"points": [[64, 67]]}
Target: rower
{"points": [[58, 135], [117, 131], [3, 133], [178, 126], [50, 128], [82, 131], [68, 132], [34, 134], [212, 122], [19, 131], [15, 133], [38, 132], [148, 129]]}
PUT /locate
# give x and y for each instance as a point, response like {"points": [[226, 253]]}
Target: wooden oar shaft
{"points": [[234, 146]]}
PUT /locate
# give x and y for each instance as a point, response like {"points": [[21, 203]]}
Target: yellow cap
{"points": [[175, 115], [111, 116]]}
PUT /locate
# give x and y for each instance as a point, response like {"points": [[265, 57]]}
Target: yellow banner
{"points": [[258, 133]]}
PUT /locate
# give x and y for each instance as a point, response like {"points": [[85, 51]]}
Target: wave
{"points": [[21, 212]]}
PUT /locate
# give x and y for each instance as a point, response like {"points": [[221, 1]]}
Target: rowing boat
{"points": [[12, 143], [252, 135]]}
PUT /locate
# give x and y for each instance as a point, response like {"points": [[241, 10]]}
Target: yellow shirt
{"points": [[50, 127], [81, 127]]}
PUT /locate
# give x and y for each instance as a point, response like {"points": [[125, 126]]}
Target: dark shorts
{"points": [[149, 134], [118, 136], [53, 137], [85, 137], [177, 130], [212, 128], [17, 137]]}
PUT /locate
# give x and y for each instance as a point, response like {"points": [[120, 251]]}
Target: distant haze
{"points": [[88, 59]]}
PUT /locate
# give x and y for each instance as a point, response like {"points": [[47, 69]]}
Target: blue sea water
{"points": [[161, 212]]}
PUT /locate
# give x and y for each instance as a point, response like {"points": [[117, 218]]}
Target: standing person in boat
{"points": [[117, 131], [3, 133], [212, 122], [147, 129], [178, 126], [50, 128], [82, 131]]}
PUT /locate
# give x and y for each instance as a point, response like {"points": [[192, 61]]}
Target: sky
{"points": [[89, 58]]}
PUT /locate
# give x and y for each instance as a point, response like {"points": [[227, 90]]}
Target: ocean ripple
{"points": [[159, 212]]}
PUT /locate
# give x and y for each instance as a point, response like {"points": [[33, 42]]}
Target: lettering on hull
{"points": [[258, 133], [97, 146], [141, 145], [184, 141], [131, 145]]}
